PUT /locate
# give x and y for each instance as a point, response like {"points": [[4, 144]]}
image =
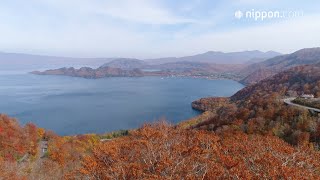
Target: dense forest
{"points": [[250, 135]]}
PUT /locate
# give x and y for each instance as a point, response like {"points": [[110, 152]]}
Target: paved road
{"points": [[289, 102]]}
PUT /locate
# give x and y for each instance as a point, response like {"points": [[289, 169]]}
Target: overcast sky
{"points": [[153, 28]]}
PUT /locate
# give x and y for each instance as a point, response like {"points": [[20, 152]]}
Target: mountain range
{"points": [[14, 61], [207, 63], [218, 57]]}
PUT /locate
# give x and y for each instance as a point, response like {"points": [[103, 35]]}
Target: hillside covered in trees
{"points": [[260, 109]]}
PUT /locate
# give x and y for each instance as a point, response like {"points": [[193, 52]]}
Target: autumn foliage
{"points": [[20, 156], [16, 143], [261, 109], [160, 151], [15, 140], [163, 151]]}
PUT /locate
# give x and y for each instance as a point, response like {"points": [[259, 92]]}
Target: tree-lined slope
{"points": [[260, 107]]}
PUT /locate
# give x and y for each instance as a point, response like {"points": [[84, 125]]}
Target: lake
{"points": [[71, 105]]}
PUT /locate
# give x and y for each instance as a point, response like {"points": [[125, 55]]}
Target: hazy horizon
{"points": [[150, 58]]}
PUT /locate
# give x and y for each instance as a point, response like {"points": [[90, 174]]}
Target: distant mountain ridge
{"points": [[15, 61], [218, 57], [259, 71], [197, 66], [203, 61]]}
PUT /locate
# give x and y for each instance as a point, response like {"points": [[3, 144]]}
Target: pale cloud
{"points": [[144, 29], [138, 11], [142, 11]]}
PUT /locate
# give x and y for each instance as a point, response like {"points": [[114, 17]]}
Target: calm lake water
{"points": [[70, 105]]}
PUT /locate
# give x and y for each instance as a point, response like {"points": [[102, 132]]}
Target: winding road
{"points": [[289, 102]]}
